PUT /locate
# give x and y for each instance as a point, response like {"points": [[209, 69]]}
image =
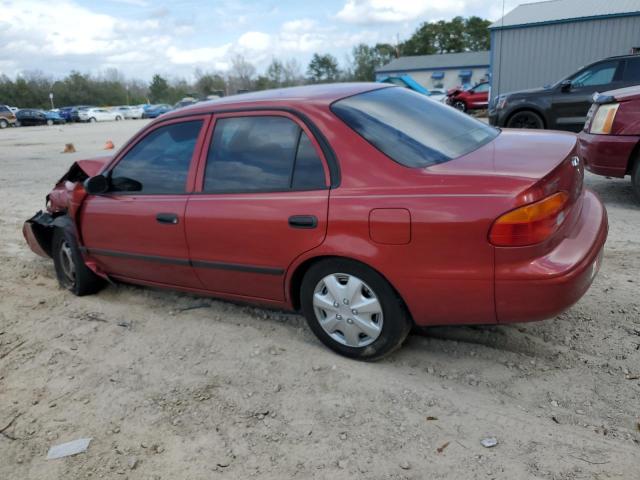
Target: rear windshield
{"points": [[412, 129]]}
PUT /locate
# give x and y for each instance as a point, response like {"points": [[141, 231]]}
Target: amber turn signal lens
{"points": [[602, 122], [531, 223]]}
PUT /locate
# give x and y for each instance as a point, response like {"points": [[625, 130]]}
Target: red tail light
{"points": [[531, 223]]}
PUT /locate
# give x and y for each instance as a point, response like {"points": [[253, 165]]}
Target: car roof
{"points": [[322, 93]]}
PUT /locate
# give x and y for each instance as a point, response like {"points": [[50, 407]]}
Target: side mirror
{"points": [[565, 85], [96, 185]]}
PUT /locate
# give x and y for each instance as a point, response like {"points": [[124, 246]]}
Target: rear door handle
{"points": [[303, 221], [170, 218]]}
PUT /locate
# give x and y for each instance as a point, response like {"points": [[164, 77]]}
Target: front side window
{"points": [[601, 74], [483, 87], [410, 129], [159, 163], [261, 153]]}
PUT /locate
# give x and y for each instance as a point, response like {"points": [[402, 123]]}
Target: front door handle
{"points": [[170, 218], [303, 221]]}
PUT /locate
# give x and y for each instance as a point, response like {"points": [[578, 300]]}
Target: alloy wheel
{"points": [[348, 310], [525, 120]]}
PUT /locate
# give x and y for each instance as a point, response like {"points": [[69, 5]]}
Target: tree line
{"points": [[32, 88]]}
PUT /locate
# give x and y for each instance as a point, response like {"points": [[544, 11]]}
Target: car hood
{"points": [[528, 93], [624, 94], [521, 156]]}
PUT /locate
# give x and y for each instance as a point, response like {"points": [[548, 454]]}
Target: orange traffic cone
{"points": [[108, 145], [69, 148]]}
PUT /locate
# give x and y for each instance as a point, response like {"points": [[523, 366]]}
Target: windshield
{"points": [[411, 129]]}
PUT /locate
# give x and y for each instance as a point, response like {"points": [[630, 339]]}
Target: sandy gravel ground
{"points": [[172, 386]]}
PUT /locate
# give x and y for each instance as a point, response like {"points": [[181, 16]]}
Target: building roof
{"points": [[556, 11], [437, 62]]}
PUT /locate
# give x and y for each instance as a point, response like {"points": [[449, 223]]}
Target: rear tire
{"points": [[379, 326], [72, 273], [635, 178], [49, 122], [4, 124], [92, 120], [525, 119]]}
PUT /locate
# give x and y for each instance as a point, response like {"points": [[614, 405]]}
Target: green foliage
{"points": [[366, 59], [323, 68], [456, 35]]}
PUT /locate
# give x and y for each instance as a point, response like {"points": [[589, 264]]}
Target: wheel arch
{"points": [[528, 108], [294, 280], [634, 158]]}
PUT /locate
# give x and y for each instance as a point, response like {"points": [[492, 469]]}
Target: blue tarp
{"points": [[407, 81]]}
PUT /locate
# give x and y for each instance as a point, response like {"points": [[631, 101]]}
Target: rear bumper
{"points": [[607, 155], [546, 286]]}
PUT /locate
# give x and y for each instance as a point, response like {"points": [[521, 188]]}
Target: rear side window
{"points": [[410, 129], [3, 109], [261, 153], [632, 71], [159, 163]]}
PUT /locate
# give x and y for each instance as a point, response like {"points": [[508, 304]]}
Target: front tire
{"points": [[526, 119], [4, 124], [49, 122], [460, 105], [92, 120], [353, 310], [72, 273]]}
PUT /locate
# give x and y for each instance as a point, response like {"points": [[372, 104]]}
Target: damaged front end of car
{"points": [[62, 206]]}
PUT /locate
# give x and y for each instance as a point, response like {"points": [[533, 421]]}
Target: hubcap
{"points": [[348, 310], [67, 264], [524, 120]]}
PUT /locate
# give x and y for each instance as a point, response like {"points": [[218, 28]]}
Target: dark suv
{"points": [[564, 105]]}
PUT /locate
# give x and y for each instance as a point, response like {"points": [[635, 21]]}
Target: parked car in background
{"points": [[156, 110], [7, 117], [297, 198], [186, 101], [13, 109], [65, 112], [29, 117], [129, 112], [564, 105], [438, 95], [474, 98], [54, 117], [99, 115], [610, 140], [75, 112]]}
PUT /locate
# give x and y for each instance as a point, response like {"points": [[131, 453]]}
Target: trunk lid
{"points": [[538, 163]]}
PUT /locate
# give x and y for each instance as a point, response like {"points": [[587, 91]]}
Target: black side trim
{"points": [[237, 267], [186, 263], [136, 256]]}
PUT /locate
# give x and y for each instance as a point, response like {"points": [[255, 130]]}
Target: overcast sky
{"points": [[173, 37]]}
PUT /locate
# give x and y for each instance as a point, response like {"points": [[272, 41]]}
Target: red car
{"points": [[610, 141], [475, 98], [366, 206]]}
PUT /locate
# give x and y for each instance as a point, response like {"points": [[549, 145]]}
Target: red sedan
{"points": [[610, 141], [475, 98], [368, 207]]}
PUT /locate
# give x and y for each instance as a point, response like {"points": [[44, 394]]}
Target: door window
{"points": [[600, 74], [159, 163], [483, 87], [261, 153]]}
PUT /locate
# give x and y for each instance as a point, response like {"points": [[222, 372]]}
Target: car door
{"points": [[137, 229], [261, 201], [479, 96], [631, 74], [571, 101]]}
